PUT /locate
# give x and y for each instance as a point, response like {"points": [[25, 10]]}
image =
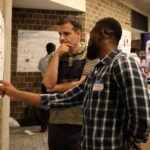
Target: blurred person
{"points": [[148, 59], [134, 54]]}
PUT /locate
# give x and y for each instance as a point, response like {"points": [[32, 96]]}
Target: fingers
{"points": [[4, 83], [2, 91], [3, 87], [69, 45]]}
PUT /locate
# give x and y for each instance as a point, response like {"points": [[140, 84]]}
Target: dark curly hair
{"points": [[109, 26]]}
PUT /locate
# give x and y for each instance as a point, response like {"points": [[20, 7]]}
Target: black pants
{"points": [[64, 137], [44, 113]]}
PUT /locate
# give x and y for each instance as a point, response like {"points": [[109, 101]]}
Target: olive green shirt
{"points": [[72, 115]]}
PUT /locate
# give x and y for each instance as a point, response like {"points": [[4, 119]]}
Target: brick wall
{"points": [[97, 9], [31, 19]]}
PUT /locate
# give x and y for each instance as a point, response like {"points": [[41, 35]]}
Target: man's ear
{"points": [[78, 32], [101, 35]]}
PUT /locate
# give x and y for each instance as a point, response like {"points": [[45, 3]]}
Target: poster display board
{"points": [[125, 41], [1, 46], [1, 63], [32, 47]]}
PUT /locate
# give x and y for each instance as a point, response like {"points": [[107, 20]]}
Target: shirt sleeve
{"points": [[73, 97], [133, 85], [50, 57], [89, 66]]}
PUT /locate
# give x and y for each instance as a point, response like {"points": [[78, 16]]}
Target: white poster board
{"points": [[32, 47], [125, 42], [1, 46]]}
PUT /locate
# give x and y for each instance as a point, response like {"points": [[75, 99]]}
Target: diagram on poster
{"points": [[32, 47], [1, 46]]}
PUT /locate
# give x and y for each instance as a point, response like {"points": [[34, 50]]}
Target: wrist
{"points": [[17, 95], [55, 54]]}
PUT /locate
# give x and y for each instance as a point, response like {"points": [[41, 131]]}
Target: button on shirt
{"points": [[115, 102]]}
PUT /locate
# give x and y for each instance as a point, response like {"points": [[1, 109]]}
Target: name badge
{"points": [[98, 85]]}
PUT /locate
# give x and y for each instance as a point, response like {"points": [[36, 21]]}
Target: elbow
{"points": [[49, 85]]}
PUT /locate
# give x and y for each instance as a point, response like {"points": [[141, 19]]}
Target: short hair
{"points": [[50, 47], [109, 26], [74, 21]]}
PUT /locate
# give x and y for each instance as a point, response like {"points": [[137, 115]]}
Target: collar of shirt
{"points": [[108, 58]]}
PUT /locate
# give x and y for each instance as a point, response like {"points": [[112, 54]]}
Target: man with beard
{"points": [[115, 98]]}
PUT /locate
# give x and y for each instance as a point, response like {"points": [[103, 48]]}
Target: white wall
{"points": [[76, 4]]}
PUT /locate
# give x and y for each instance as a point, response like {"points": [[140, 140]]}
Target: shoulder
{"points": [[126, 62]]}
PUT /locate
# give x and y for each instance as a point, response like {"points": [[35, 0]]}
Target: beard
{"points": [[92, 51]]}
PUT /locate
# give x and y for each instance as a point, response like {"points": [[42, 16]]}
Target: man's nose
{"points": [[62, 37]]}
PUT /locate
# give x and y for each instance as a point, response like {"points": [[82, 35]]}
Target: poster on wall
{"points": [[1, 46], [32, 47], [125, 41]]}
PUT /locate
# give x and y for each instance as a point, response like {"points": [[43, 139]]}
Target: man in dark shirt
{"points": [[116, 104]]}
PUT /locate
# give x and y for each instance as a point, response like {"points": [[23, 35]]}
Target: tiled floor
{"points": [[19, 140]]}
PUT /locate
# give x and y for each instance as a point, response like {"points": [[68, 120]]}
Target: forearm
{"points": [[139, 106], [139, 125], [51, 75], [63, 87], [70, 98], [27, 97]]}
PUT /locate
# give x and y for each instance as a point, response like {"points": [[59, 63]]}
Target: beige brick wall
{"points": [[97, 9]]}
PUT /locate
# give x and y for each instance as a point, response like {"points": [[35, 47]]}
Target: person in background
{"points": [[116, 104], [148, 59], [67, 68], [134, 54], [43, 63]]}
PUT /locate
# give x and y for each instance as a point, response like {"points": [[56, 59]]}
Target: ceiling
{"points": [[143, 5], [48, 4], [41, 4]]}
